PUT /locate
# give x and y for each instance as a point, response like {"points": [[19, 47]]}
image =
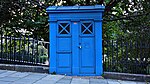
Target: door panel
{"points": [[64, 60], [87, 52], [64, 63], [64, 44], [87, 58]]}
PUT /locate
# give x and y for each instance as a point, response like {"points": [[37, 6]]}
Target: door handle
{"points": [[80, 46]]}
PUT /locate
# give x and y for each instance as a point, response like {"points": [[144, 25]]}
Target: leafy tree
{"points": [[31, 15]]}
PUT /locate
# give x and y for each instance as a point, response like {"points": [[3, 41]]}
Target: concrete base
{"points": [[126, 76], [24, 68]]}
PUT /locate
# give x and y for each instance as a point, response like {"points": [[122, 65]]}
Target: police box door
{"points": [[86, 48], [64, 48], [75, 47]]}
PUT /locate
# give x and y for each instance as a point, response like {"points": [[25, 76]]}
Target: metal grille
{"points": [[23, 50], [126, 56]]}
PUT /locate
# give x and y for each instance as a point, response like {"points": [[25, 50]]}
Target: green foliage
{"points": [[23, 49], [126, 56], [122, 18], [43, 58], [112, 30]]}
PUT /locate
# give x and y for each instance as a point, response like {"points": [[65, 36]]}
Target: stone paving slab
{"points": [[111, 81], [98, 81], [53, 77], [5, 82], [127, 82], [45, 82], [49, 79], [65, 80], [19, 74], [35, 76], [7, 73], [142, 83], [9, 79], [79, 81], [24, 81], [13, 77], [2, 71]]}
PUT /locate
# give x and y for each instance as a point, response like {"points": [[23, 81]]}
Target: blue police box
{"points": [[76, 40]]}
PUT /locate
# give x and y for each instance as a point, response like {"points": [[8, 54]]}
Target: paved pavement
{"points": [[13, 77]]}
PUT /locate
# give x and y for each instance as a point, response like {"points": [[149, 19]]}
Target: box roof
{"points": [[74, 8]]}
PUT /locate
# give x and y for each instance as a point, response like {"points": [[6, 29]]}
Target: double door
{"points": [[75, 51]]}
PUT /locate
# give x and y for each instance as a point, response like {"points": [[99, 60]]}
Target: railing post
{"points": [[28, 48], [37, 60], [6, 46], [1, 45], [14, 48], [33, 52], [20, 55]]}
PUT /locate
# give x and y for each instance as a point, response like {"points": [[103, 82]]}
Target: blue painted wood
{"points": [[98, 42], [72, 16], [87, 42], [71, 8], [64, 47], [52, 37], [87, 55], [76, 49], [75, 44]]}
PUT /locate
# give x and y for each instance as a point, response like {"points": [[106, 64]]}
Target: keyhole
{"points": [[80, 45]]}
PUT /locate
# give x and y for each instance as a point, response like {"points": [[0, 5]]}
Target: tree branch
{"points": [[101, 2], [37, 3], [126, 17], [111, 4]]}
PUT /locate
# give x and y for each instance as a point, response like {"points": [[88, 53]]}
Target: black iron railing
{"points": [[23, 50], [118, 55], [126, 56]]}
